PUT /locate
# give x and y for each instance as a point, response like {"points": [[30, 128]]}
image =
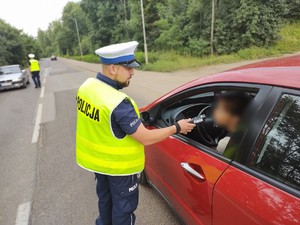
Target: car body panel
{"points": [[252, 201], [177, 185]]}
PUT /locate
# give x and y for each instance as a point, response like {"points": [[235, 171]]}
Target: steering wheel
{"points": [[209, 133]]}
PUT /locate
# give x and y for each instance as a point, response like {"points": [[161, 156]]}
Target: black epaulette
{"points": [[127, 100]]}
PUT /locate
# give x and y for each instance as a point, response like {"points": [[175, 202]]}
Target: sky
{"points": [[29, 15]]}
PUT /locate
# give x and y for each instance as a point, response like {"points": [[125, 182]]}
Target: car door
{"points": [[185, 173], [263, 185], [185, 176]]}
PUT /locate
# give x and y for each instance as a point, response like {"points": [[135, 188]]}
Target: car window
{"points": [[277, 151], [9, 70]]}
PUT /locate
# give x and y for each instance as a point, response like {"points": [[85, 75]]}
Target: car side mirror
{"points": [[146, 118], [23, 71]]}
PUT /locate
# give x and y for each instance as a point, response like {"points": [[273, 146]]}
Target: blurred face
{"points": [[223, 118], [123, 75]]}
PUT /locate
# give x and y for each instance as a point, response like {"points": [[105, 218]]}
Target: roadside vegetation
{"points": [[178, 32], [288, 43]]}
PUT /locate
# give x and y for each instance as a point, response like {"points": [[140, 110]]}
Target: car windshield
{"points": [[9, 70]]}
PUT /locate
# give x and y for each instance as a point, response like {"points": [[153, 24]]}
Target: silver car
{"points": [[13, 77]]}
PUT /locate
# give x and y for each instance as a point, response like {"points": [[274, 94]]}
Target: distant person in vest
{"points": [[35, 70], [110, 137]]}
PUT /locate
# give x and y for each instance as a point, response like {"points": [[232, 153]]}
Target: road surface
{"points": [[40, 181]]}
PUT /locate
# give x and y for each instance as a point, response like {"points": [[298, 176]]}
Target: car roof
{"points": [[275, 76], [288, 61]]}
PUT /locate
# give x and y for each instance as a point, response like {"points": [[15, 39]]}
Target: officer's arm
{"points": [[149, 137]]}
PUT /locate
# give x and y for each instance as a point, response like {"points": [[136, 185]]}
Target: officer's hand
{"points": [[186, 126]]}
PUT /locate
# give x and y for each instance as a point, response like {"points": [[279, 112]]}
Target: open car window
{"points": [[193, 104]]}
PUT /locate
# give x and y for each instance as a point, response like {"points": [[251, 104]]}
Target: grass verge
{"points": [[172, 61], [85, 58]]}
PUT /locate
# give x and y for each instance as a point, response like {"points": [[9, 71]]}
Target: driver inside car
{"points": [[227, 112]]}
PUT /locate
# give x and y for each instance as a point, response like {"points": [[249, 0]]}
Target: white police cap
{"points": [[119, 54], [31, 55]]}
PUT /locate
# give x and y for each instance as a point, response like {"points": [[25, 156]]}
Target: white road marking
{"points": [[42, 92], [23, 214], [36, 129], [47, 72], [44, 80]]}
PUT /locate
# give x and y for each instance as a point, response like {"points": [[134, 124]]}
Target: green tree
{"points": [[172, 25], [293, 9], [135, 22], [198, 27], [15, 45], [61, 36], [44, 42], [245, 23], [109, 25], [68, 39], [176, 25]]}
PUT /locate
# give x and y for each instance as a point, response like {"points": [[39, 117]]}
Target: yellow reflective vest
{"points": [[97, 149], [34, 65]]}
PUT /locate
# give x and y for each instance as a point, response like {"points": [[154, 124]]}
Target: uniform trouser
{"points": [[118, 199], [36, 78]]}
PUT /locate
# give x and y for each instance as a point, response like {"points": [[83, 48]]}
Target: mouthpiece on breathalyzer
{"points": [[198, 119]]}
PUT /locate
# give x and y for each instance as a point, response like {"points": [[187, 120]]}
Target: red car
{"points": [[256, 179]]}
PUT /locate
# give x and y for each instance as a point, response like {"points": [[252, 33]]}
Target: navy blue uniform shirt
{"points": [[124, 119]]}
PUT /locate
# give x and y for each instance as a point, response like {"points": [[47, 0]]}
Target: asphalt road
{"points": [[40, 181]]}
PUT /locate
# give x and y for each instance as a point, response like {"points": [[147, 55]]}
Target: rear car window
{"points": [[277, 152]]}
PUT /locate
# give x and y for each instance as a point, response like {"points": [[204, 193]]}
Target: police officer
{"points": [[35, 70], [110, 137]]}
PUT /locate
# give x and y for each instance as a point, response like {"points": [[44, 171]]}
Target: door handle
{"points": [[189, 169]]}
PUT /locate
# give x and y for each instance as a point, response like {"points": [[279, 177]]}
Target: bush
{"points": [[289, 42], [290, 38], [198, 47]]}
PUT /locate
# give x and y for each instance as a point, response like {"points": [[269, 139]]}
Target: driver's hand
{"points": [[186, 126]]}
